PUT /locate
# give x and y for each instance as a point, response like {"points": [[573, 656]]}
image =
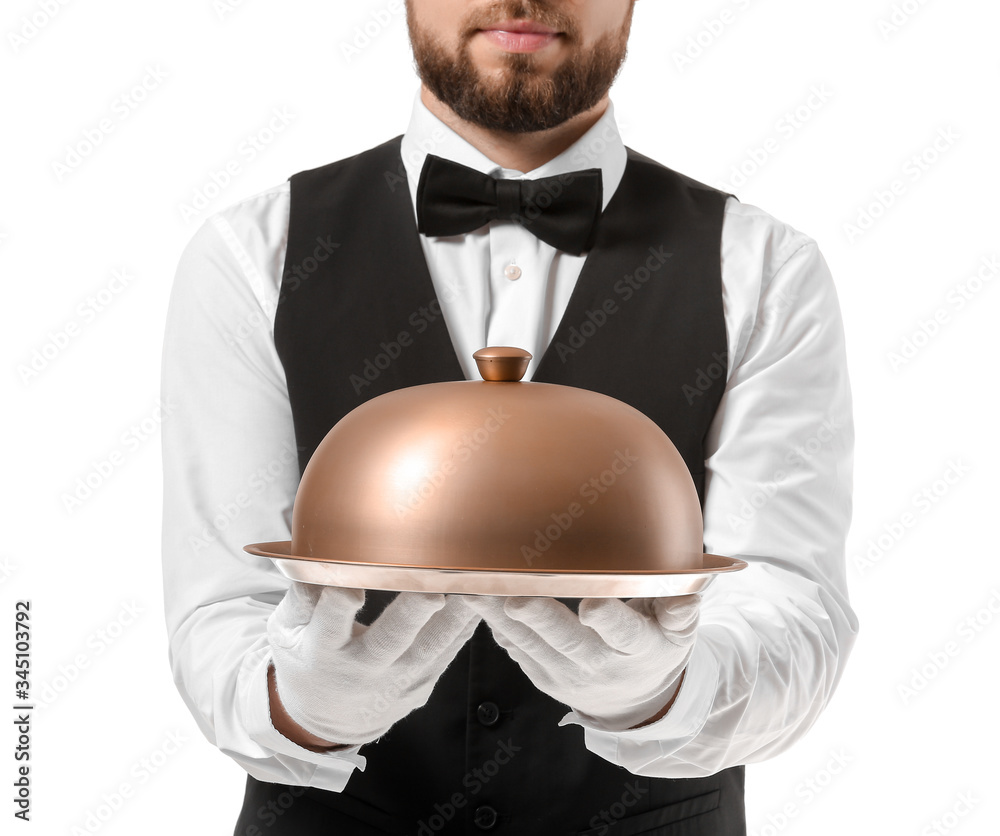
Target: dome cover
{"points": [[498, 476]]}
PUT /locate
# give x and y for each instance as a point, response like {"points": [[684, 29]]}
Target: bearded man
{"points": [[506, 214]]}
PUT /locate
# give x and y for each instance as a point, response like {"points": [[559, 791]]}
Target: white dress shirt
{"points": [[773, 639]]}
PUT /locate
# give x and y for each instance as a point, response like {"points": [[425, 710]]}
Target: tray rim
{"points": [[719, 563], [505, 582]]}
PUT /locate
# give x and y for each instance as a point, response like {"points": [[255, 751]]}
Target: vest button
{"points": [[485, 818], [488, 713]]}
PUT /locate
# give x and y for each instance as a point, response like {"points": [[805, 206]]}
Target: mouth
{"points": [[520, 35]]}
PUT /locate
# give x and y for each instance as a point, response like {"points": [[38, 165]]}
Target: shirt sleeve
{"points": [[230, 475], [773, 639]]}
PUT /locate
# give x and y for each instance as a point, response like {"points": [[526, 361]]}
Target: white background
{"points": [[105, 754]]}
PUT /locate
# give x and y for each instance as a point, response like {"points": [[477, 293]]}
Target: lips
{"points": [[520, 35]]}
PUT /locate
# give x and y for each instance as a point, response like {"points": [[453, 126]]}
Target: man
{"points": [[454, 714]]}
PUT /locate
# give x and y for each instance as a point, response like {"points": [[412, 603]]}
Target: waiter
{"points": [[507, 214]]}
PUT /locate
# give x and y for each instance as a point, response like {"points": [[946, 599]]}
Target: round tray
{"points": [[408, 578]]}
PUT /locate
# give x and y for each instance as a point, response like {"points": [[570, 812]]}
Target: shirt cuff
{"points": [[324, 770], [675, 729]]}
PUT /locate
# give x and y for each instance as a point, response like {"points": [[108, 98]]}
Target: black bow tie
{"points": [[453, 199]]}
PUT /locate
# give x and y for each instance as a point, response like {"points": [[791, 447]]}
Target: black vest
{"points": [[357, 317]]}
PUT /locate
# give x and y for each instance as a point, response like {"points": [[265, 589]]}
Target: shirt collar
{"points": [[600, 147]]}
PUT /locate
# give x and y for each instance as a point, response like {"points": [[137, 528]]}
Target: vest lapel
{"points": [[357, 297], [645, 321]]}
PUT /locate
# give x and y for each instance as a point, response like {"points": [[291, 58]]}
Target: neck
{"points": [[519, 152]]}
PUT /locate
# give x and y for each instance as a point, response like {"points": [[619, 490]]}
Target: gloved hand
{"points": [[349, 683], [617, 664]]}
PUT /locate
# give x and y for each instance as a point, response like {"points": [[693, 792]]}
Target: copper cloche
{"points": [[497, 478]]}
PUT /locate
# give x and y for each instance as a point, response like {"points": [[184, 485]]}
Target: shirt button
{"points": [[488, 713], [512, 272], [485, 817]]}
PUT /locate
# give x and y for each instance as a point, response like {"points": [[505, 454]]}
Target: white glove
{"points": [[349, 683], [617, 664]]}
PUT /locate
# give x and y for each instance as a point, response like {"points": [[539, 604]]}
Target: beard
{"points": [[519, 100]]}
